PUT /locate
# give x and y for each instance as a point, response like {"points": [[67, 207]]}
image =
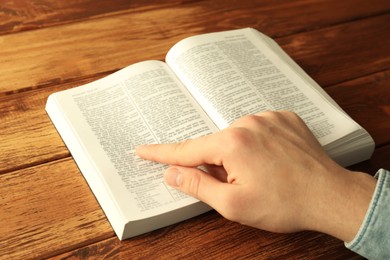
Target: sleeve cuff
{"points": [[373, 238]]}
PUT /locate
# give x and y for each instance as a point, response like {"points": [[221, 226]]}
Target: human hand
{"points": [[268, 171]]}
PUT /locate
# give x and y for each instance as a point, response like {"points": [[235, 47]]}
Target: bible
{"points": [[205, 83]]}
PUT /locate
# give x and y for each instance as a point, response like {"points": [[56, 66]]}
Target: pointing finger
{"points": [[191, 153]]}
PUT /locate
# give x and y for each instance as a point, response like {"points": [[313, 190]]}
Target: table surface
{"points": [[47, 209]]}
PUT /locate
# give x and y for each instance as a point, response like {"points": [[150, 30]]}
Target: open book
{"points": [[207, 82]]}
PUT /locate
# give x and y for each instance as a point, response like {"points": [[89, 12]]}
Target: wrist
{"points": [[341, 204]]}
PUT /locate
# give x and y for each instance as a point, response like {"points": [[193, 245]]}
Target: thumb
{"points": [[195, 183]]}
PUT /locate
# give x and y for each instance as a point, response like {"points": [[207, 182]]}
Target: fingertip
{"points": [[139, 149], [144, 151]]}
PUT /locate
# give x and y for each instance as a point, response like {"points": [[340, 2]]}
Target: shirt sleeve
{"points": [[373, 238]]}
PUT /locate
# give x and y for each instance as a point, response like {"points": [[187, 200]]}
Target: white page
{"points": [[236, 73], [141, 104]]}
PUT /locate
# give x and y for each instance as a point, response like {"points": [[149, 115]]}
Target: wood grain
{"points": [[66, 51], [342, 52], [28, 137], [373, 112], [43, 206], [279, 18], [24, 15], [225, 240]]}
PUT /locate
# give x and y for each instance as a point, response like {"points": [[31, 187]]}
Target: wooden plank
{"points": [[23, 15], [225, 240], [343, 52], [282, 17], [22, 117], [57, 54], [27, 135], [374, 112], [46, 209]]}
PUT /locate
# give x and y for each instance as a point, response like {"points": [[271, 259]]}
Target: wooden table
{"points": [[47, 209]]}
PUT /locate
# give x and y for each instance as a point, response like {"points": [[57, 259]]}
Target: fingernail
{"points": [[172, 177]]}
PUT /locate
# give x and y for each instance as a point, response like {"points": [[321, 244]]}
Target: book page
{"points": [[236, 73], [141, 104]]}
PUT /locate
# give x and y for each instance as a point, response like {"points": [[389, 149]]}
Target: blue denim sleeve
{"points": [[373, 238]]}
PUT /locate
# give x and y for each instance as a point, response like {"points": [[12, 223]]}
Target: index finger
{"points": [[191, 152]]}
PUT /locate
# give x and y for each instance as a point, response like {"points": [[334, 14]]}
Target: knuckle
{"points": [[290, 115], [179, 149], [191, 184], [237, 138], [251, 120], [181, 146], [274, 115]]}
